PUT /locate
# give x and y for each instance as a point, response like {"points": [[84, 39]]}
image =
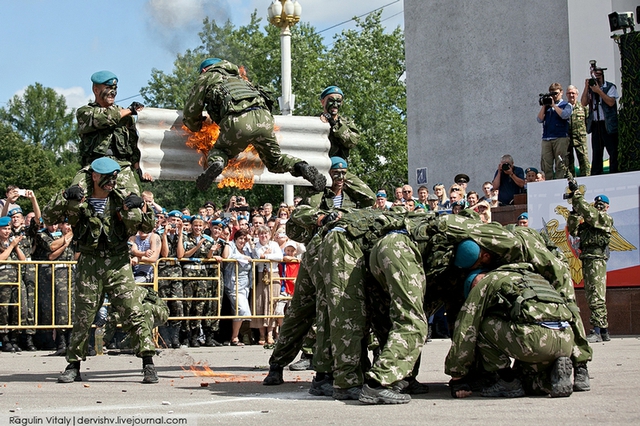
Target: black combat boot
{"points": [[28, 343], [311, 174], [61, 344], [6, 344], [206, 178]]}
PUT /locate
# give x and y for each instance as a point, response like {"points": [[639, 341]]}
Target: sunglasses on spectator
{"points": [[407, 190]]}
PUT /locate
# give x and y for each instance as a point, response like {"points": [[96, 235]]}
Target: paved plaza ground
{"points": [[223, 385]]}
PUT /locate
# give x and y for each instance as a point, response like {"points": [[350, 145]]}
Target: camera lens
{"points": [[506, 166]]}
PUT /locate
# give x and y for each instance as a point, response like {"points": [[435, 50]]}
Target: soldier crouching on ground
{"points": [[102, 222], [512, 312]]}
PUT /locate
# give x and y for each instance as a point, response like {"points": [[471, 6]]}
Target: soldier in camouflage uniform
{"points": [[244, 117], [578, 133], [303, 228], [52, 245], [102, 223], [401, 326], [10, 250], [197, 245], [29, 231], [172, 247], [105, 129], [512, 312], [343, 133], [593, 225], [211, 308]]}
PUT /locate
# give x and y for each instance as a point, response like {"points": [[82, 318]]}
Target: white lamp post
{"points": [[284, 14]]}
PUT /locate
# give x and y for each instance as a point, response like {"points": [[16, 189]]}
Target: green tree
{"points": [[367, 63], [40, 116], [31, 167]]}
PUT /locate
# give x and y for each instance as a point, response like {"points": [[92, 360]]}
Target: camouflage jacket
{"points": [[513, 292], [109, 231], [104, 133], [344, 136], [221, 91], [591, 225], [190, 242], [578, 123], [26, 245]]}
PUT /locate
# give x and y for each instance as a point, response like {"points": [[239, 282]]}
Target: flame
{"points": [[205, 371], [203, 140], [243, 73]]}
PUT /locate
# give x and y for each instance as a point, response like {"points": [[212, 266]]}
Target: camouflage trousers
{"points": [[197, 289], [396, 264], [108, 273], [29, 297], [533, 346], [53, 306], [8, 294], [296, 330], [255, 127], [171, 289], [579, 144], [594, 271], [126, 180], [341, 313]]}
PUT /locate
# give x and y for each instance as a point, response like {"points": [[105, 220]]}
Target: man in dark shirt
{"points": [[508, 180]]}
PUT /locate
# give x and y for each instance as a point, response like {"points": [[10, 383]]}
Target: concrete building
{"points": [[474, 72]]}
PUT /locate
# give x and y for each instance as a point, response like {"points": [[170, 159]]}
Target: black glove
{"points": [[573, 185], [73, 193], [141, 176], [134, 107], [331, 217], [330, 119], [133, 201]]}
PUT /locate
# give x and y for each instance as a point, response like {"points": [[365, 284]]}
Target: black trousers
{"points": [[600, 140]]}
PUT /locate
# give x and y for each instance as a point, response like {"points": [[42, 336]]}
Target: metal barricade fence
{"points": [[23, 284]]}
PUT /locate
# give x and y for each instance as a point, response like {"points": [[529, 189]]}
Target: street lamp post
{"points": [[284, 14]]}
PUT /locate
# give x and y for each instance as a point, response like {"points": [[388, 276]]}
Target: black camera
{"points": [[506, 167], [545, 99], [592, 82]]}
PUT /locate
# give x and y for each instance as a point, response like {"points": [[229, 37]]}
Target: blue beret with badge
{"points": [[175, 213], [104, 77], [467, 254], [602, 198], [330, 91], [13, 211], [524, 216], [4, 221], [196, 217], [105, 166], [338, 163], [207, 63]]}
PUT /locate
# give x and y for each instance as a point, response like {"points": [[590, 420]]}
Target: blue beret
{"points": [[175, 213], [216, 222], [338, 163], [531, 169], [467, 254], [381, 194], [602, 198], [329, 91], [13, 211], [207, 63], [460, 203], [186, 218], [104, 77], [467, 283], [196, 217], [105, 166], [524, 215], [5, 221]]}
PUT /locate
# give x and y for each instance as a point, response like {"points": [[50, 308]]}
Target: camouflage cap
{"points": [[104, 77]]}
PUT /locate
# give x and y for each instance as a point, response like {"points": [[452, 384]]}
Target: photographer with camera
{"points": [[554, 115], [508, 180], [602, 121]]}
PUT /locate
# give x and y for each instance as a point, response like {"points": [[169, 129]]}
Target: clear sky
{"points": [[60, 43]]}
